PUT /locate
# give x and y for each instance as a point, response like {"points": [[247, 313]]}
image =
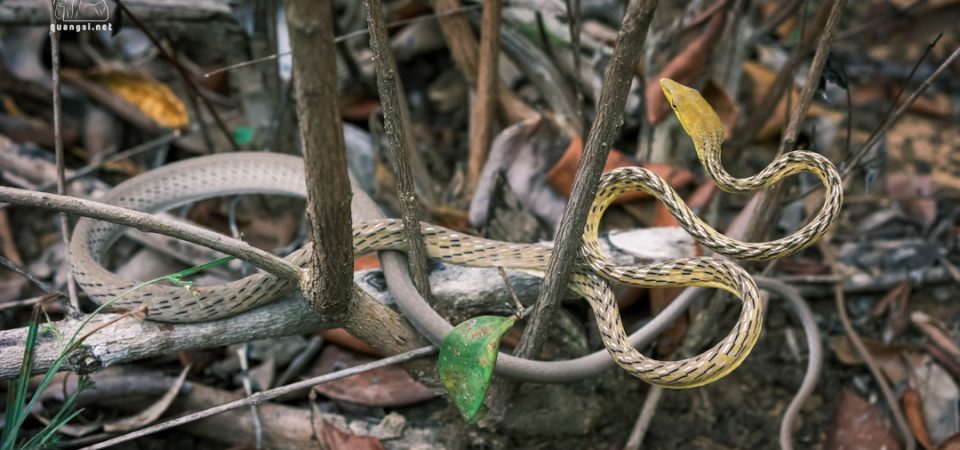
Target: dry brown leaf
{"points": [[334, 438], [154, 98], [387, 386], [721, 102], [953, 443], [859, 426], [345, 339], [913, 410], [888, 357], [937, 332]]}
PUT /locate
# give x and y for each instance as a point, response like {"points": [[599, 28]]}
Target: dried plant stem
{"points": [[643, 421], [58, 151], [771, 98], [155, 224], [388, 85], [573, 16], [875, 138], [260, 397], [772, 198], [464, 49], [864, 353], [485, 102], [812, 81], [616, 83], [327, 286], [5, 262]]}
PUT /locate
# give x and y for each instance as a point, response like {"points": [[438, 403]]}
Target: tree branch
{"points": [[327, 285], [484, 106], [771, 199], [155, 224], [389, 87], [464, 49], [58, 150], [606, 126]]}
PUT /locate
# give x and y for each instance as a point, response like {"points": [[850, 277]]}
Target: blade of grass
{"points": [[16, 413], [17, 389]]}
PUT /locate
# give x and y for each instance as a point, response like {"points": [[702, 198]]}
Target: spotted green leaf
{"points": [[467, 358]]}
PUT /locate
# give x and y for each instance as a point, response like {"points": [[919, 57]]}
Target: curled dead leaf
{"points": [[152, 97]]}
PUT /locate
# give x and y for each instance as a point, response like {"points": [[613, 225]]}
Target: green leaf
{"points": [[467, 358]]}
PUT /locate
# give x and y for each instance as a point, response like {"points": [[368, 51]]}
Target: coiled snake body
{"points": [[235, 173]]}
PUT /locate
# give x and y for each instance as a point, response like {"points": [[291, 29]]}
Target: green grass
{"points": [[18, 407]]}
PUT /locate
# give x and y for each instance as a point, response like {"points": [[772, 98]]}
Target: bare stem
{"points": [[812, 81], [616, 84], [770, 203], [58, 151], [484, 106], [155, 224], [389, 86], [260, 397], [327, 287]]}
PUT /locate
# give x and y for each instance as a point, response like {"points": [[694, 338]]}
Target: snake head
{"points": [[698, 118]]}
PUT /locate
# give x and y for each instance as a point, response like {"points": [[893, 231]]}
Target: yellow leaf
{"points": [[152, 97]]}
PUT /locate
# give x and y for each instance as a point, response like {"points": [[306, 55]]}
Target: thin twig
{"points": [[770, 204], [573, 16], [389, 86], [154, 224], [327, 287], [888, 395], [248, 390], [132, 313], [21, 303], [187, 80], [616, 84], [643, 421], [877, 135], [350, 35], [152, 144], [771, 98], [301, 360], [485, 102], [782, 13], [606, 126], [5, 262], [463, 47], [58, 151], [812, 82], [268, 395], [518, 305]]}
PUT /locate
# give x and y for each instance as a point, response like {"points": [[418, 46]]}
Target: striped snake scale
{"points": [[236, 173]]}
